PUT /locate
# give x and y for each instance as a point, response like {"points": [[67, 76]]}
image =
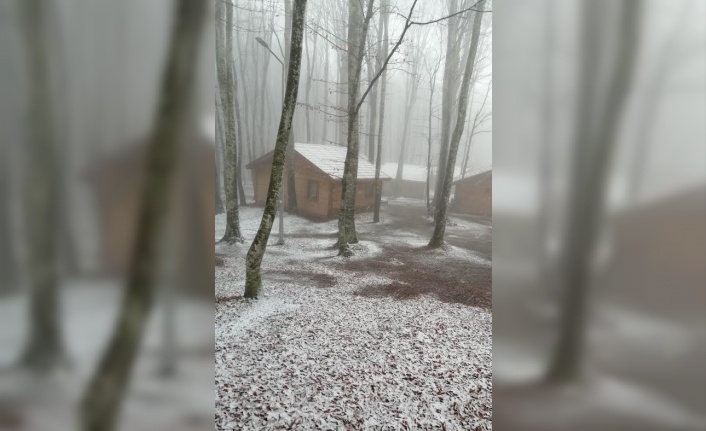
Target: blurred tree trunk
{"points": [[101, 401], [437, 238], [598, 121], [45, 348], [253, 280], [385, 21], [8, 252], [226, 85]]}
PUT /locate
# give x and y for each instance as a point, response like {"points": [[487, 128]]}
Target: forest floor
{"points": [[396, 337]]}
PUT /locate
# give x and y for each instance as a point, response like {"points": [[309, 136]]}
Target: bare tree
{"points": [[101, 401], [480, 117], [227, 89], [45, 348], [448, 97], [597, 122], [432, 86], [291, 177], [253, 280], [357, 32], [437, 238], [385, 23]]}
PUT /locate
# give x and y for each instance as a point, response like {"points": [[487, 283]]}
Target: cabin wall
{"points": [[189, 225], [327, 205], [474, 196], [317, 208]]}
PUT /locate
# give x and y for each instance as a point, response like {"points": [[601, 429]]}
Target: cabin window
{"points": [[369, 190], [312, 190]]}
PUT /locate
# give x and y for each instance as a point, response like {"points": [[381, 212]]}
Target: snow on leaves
{"points": [[305, 357]]}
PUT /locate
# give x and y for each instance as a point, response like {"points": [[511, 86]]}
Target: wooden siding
{"points": [[118, 183], [474, 195]]}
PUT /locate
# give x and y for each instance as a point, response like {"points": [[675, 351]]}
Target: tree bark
{"points": [[412, 85], [591, 161], [240, 141], [432, 87], [448, 96], [383, 87], [357, 32], [291, 175], [101, 401], [45, 347], [372, 125], [253, 279], [219, 144], [437, 238], [226, 84]]}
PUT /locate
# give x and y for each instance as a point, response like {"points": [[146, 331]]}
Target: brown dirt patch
{"points": [[320, 280], [417, 272], [228, 299]]}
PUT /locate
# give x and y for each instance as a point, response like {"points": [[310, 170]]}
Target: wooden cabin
{"points": [[413, 183], [318, 172], [117, 181], [474, 194]]}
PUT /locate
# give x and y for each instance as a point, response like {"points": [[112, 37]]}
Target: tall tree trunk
{"points": [[101, 401], [45, 348], [448, 97], [253, 260], [385, 18], [477, 121], [379, 58], [219, 145], [357, 32], [432, 86], [262, 129], [8, 260], [226, 84], [411, 99], [239, 127], [437, 238], [291, 175], [598, 120], [324, 133], [247, 142], [310, 66]]}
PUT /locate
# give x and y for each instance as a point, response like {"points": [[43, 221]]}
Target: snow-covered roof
{"points": [[409, 172], [330, 159]]}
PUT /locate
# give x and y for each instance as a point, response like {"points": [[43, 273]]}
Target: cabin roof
{"points": [[410, 172], [476, 174], [330, 159]]}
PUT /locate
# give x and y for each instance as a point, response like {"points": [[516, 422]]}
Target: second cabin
{"points": [[318, 170]]}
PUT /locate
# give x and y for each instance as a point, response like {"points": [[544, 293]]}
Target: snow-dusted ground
{"points": [[311, 354], [88, 311]]}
